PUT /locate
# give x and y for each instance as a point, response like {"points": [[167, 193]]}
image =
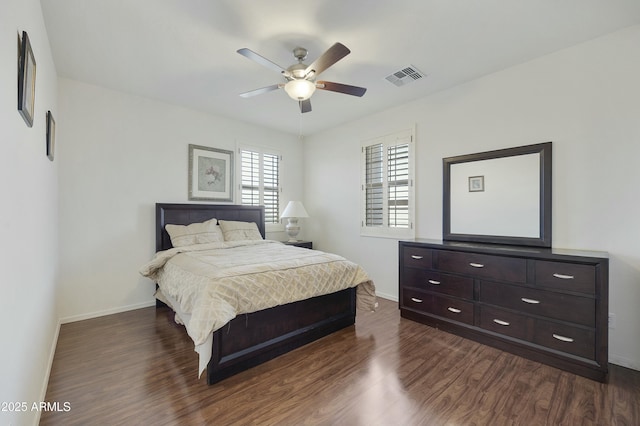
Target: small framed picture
{"points": [[210, 174], [51, 135], [476, 183], [26, 80]]}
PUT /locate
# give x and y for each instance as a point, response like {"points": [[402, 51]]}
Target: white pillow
{"points": [[196, 233], [239, 231]]}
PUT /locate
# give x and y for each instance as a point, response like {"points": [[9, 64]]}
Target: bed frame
{"points": [[252, 339]]}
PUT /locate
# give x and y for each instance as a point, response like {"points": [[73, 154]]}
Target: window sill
{"points": [[386, 233]]}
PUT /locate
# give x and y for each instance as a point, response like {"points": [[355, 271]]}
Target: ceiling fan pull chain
{"points": [[300, 126]]}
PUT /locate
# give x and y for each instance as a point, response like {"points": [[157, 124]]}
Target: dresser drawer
{"points": [[562, 337], [506, 322], [426, 279], [566, 276], [580, 310], [416, 300], [454, 309], [416, 257], [483, 266]]}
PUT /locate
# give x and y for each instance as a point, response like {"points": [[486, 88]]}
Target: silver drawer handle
{"points": [[564, 277], [562, 338], [497, 321], [476, 265], [434, 282], [416, 300], [531, 301], [413, 256], [454, 310]]}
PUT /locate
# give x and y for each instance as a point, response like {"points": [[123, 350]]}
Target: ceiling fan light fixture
{"points": [[300, 89], [300, 79]]}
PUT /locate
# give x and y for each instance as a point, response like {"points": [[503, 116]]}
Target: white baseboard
{"points": [[624, 362], [117, 310], [387, 296], [47, 374]]}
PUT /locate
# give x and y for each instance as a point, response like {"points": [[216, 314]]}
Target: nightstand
{"points": [[303, 244]]}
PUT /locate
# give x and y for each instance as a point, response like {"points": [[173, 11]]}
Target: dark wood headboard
{"points": [[185, 214]]}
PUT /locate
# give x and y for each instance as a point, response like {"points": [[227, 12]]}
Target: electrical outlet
{"points": [[612, 320]]}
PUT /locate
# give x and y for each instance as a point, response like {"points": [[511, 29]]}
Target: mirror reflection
{"points": [[496, 197], [501, 196]]}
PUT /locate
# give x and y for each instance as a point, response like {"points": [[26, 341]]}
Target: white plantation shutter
{"points": [[398, 184], [374, 176], [387, 186], [271, 185], [260, 182], [250, 178]]}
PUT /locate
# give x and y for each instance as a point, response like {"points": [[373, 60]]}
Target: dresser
{"points": [[546, 305]]}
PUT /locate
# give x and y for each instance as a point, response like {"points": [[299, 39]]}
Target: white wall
{"points": [[119, 155], [585, 99], [28, 257]]}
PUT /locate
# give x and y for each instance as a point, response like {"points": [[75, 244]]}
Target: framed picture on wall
{"points": [[51, 135], [26, 80], [476, 183], [210, 174]]}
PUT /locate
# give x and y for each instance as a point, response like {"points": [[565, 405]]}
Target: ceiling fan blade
{"points": [[328, 58], [341, 88], [261, 90], [305, 106], [248, 53]]}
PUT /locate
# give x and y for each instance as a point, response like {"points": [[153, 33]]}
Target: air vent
{"points": [[405, 76]]}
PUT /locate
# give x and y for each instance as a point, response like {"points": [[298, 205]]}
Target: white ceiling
{"points": [[184, 51]]}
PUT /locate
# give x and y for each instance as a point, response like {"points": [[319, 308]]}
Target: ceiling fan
{"points": [[300, 78]]}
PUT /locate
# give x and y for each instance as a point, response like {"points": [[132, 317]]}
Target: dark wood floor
{"points": [[139, 367]]}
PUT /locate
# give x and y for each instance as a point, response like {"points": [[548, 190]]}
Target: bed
{"points": [[250, 338]]}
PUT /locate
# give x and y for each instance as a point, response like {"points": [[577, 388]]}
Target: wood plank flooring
{"points": [[139, 367]]}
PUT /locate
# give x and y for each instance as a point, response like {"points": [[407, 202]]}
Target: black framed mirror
{"points": [[499, 197]]}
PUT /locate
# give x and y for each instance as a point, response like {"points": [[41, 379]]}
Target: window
{"points": [[260, 183], [387, 186]]}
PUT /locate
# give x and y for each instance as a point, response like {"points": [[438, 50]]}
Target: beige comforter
{"points": [[213, 283]]}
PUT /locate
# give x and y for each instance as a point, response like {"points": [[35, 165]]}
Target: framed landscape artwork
{"points": [[210, 174]]}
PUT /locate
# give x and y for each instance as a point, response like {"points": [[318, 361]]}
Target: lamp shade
{"points": [[300, 89], [294, 209]]}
